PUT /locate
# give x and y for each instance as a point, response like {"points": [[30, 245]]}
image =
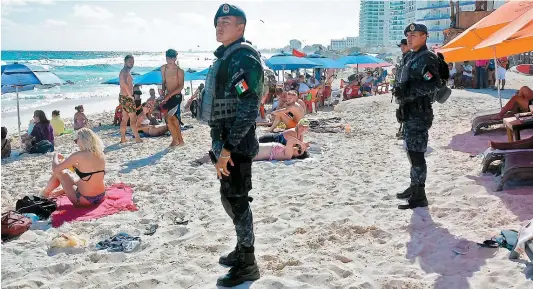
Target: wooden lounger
{"points": [[516, 164], [491, 155]]}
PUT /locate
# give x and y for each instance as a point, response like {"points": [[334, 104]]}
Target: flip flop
{"points": [[181, 221], [151, 229]]}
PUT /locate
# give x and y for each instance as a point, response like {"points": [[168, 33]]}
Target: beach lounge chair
{"points": [[491, 155], [484, 119], [516, 165]]}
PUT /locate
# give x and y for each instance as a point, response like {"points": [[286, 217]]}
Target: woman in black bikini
{"points": [[88, 164]]}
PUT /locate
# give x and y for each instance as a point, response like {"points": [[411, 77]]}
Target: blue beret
{"points": [[415, 27], [229, 10]]}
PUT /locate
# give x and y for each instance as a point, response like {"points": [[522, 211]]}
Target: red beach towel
{"points": [[118, 198]]}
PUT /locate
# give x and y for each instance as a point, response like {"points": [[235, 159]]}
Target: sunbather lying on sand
{"points": [[516, 145], [281, 137], [277, 152], [88, 164], [518, 103], [290, 115], [144, 124]]}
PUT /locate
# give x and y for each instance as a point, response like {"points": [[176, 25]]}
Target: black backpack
{"points": [[444, 72], [36, 205]]}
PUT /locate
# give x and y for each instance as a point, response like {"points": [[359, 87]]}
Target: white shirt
{"points": [[469, 68], [453, 72], [311, 83]]}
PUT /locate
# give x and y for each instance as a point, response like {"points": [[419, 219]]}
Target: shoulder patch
{"points": [[428, 76], [241, 87]]}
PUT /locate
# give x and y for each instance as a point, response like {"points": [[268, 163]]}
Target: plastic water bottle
{"points": [[37, 224]]}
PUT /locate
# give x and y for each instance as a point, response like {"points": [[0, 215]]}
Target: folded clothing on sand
{"points": [[118, 198], [121, 242]]}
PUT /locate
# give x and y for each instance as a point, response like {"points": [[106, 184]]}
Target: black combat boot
{"points": [[245, 270], [417, 199], [230, 259], [406, 194]]}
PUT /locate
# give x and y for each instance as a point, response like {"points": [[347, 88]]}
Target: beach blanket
{"points": [[118, 198], [67, 131]]}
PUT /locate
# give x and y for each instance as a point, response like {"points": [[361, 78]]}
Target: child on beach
{"points": [[80, 120]]}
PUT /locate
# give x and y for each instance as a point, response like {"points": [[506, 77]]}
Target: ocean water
{"points": [[87, 70]]}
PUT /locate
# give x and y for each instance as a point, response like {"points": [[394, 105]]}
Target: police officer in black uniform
{"points": [[417, 83], [230, 105], [404, 48]]}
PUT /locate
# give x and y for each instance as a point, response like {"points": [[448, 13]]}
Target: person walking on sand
{"points": [[230, 105], [172, 86], [127, 101]]}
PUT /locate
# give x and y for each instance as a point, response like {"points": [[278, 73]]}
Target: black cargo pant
{"points": [[234, 195]]}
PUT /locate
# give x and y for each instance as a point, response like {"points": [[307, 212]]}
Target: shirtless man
{"points": [[290, 115], [172, 87], [127, 101], [518, 103]]}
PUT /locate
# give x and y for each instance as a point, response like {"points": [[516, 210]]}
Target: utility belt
{"points": [[419, 105]]}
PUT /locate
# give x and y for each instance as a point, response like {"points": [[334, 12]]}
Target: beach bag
{"points": [[14, 224], [42, 147], [506, 239], [36, 205]]}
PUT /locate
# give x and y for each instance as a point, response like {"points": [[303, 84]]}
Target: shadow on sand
{"points": [[517, 196], [147, 161], [433, 247], [476, 144]]}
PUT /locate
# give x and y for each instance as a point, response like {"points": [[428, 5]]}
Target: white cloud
{"points": [[135, 20], [92, 12], [25, 2], [54, 22], [8, 23]]}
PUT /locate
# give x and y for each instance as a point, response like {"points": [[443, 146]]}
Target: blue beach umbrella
{"points": [[289, 62], [24, 75], [360, 59], [116, 80], [325, 62], [154, 77]]}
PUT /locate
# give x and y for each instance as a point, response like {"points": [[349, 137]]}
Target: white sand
{"points": [[327, 222]]}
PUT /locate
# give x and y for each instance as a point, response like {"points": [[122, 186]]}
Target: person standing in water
{"points": [[127, 101], [172, 86]]}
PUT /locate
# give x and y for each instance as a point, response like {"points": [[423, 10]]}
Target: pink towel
{"points": [[118, 198]]}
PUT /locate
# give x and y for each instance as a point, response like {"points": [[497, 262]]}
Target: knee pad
{"points": [[417, 158]]}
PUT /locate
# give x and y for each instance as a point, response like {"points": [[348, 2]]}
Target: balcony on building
{"points": [[442, 4], [434, 17], [438, 28]]}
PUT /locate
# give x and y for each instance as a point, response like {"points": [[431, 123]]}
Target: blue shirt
{"points": [[491, 64]]}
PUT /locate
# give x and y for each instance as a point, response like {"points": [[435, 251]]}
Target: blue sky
{"points": [[157, 25]]}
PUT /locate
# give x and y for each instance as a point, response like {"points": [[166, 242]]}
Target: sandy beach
{"points": [[330, 221]]}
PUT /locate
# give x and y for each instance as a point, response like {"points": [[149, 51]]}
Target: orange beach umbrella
{"points": [[487, 26]]}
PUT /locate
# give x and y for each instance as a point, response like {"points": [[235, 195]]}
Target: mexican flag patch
{"points": [[428, 76], [241, 87]]}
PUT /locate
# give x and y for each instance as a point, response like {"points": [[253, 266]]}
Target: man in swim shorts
{"points": [[172, 85], [126, 100]]}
